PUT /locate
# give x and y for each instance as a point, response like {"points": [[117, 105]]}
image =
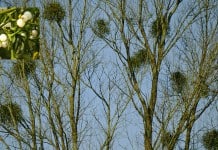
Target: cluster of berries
{"points": [[27, 15], [24, 18], [3, 40]]}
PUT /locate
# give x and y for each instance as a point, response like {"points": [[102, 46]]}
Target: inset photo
{"points": [[19, 33]]}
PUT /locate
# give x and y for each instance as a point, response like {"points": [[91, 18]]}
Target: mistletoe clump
{"points": [[156, 27], [166, 138], [210, 140], [10, 114], [101, 28], [24, 68], [54, 12], [204, 89], [159, 26], [139, 58], [178, 81]]}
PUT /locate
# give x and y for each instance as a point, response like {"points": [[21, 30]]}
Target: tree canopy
{"points": [[109, 74]]}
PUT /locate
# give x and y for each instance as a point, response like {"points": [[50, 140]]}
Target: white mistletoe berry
{"points": [[34, 33], [23, 34], [24, 18], [31, 37], [21, 23], [4, 44], [3, 37], [27, 16]]}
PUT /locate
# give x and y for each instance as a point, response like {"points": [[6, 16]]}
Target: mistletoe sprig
{"points": [[19, 33]]}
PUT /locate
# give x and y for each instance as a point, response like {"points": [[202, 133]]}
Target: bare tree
{"points": [[109, 115], [145, 34], [164, 69], [51, 93]]}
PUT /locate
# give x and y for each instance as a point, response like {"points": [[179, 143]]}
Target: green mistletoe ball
{"points": [[54, 12], [24, 68], [210, 139], [10, 114]]}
